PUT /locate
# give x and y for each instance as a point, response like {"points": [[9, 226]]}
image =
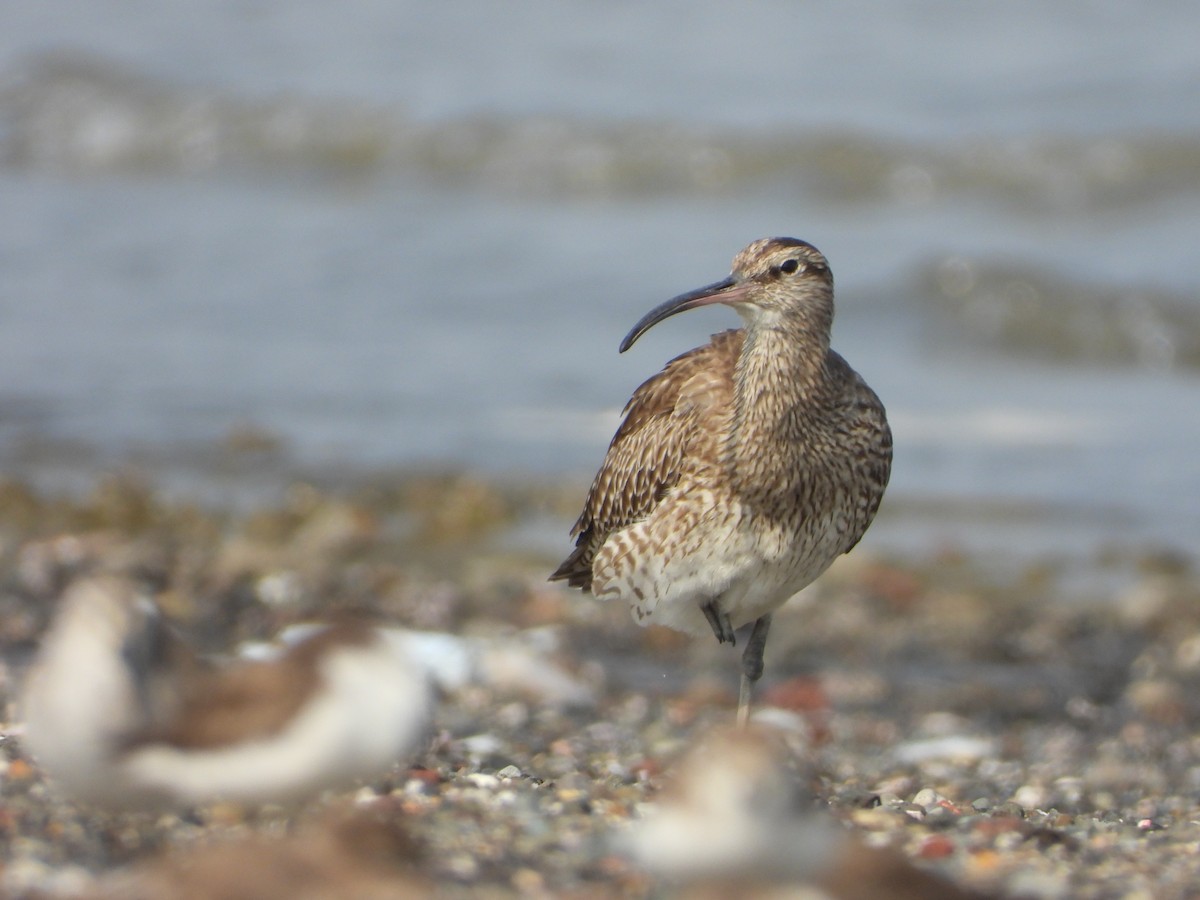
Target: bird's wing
{"points": [[664, 424], [867, 439]]}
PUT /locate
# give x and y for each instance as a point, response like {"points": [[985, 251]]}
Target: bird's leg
{"points": [[752, 666], [719, 621]]}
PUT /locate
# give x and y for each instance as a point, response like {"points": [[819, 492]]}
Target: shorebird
{"points": [[735, 820], [121, 713], [743, 469], [365, 852]]}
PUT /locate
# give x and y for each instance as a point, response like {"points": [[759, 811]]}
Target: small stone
{"points": [[981, 804], [1029, 796], [509, 772], [1158, 700], [19, 770], [1038, 883], [941, 814], [957, 747], [1187, 654], [927, 798], [913, 811], [424, 775], [481, 744], [1009, 808], [575, 781], [985, 860], [858, 798], [874, 819], [226, 814], [936, 846], [462, 866], [562, 747], [528, 882], [280, 589], [505, 797]]}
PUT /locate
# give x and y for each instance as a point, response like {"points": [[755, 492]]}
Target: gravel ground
{"points": [[1016, 734]]}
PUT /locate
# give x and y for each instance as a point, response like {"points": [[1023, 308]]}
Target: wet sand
{"points": [[1022, 732]]}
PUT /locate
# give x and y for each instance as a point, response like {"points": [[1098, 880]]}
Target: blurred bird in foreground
{"points": [[743, 469], [364, 853], [121, 713], [735, 822]]}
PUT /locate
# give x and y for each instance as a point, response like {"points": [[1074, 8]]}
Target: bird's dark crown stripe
{"points": [[788, 242]]}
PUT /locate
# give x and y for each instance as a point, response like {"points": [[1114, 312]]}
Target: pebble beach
{"points": [[312, 315], [1014, 733]]}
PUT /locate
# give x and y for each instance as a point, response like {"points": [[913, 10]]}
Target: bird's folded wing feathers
{"points": [[664, 422]]}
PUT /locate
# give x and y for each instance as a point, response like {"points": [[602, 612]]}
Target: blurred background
{"points": [[389, 234]]}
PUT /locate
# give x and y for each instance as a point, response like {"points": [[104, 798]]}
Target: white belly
{"points": [[685, 556]]}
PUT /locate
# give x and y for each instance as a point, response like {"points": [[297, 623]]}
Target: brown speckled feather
{"points": [[652, 447], [744, 469], [249, 700]]}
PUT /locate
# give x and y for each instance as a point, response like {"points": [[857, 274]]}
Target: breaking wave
{"points": [[83, 115], [1033, 312]]}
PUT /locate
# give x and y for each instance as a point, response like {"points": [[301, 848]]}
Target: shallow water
{"points": [[399, 234]]}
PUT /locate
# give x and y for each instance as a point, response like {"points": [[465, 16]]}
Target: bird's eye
{"points": [[789, 266]]}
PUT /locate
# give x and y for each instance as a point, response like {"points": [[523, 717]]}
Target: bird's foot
{"points": [[719, 622]]}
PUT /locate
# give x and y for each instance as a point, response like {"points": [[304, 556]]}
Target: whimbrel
{"points": [[743, 469]]}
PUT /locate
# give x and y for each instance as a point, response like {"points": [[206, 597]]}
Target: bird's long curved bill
{"points": [[726, 291]]}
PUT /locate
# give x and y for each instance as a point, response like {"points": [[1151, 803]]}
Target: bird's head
{"points": [[772, 279]]}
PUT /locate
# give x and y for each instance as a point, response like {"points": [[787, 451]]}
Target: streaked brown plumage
{"points": [[744, 468]]}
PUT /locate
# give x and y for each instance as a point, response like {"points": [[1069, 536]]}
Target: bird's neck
{"points": [[782, 368]]}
